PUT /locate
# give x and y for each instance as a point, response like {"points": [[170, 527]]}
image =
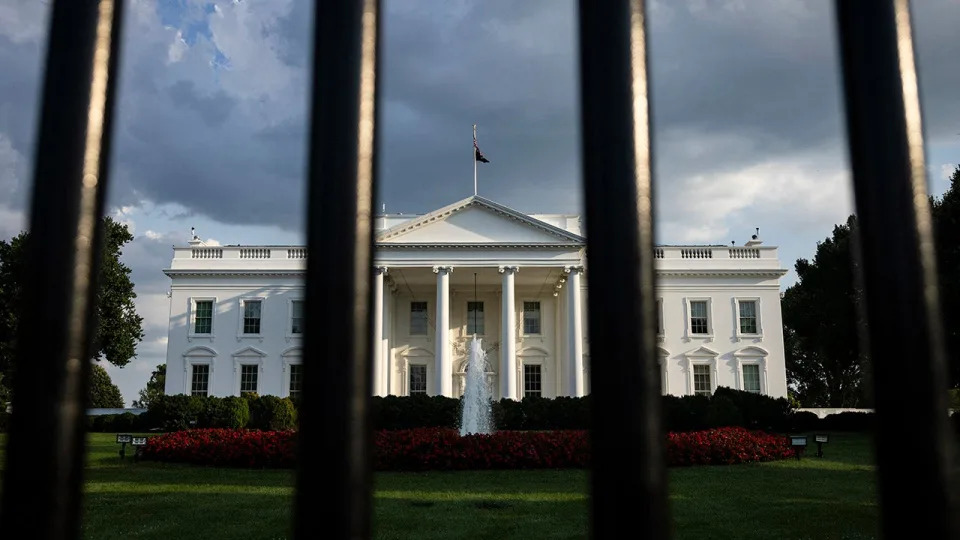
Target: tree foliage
{"points": [[946, 223], [821, 325], [821, 319], [154, 387], [119, 328], [103, 393]]}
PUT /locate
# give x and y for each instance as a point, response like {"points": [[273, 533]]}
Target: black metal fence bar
{"points": [[629, 489], [913, 445], [334, 455], [45, 455]]}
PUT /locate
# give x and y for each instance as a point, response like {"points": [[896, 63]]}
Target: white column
{"points": [[379, 373], [443, 370], [508, 336], [574, 332], [389, 312]]}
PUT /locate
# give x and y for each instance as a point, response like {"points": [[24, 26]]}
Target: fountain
{"points": [[476, 395]]}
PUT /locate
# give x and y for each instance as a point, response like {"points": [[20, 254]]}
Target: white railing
{"points": [[696, 253], [661, 253], [254, 253], [744, 253], [207, 253]]}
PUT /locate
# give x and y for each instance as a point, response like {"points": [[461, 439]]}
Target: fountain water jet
{"points": [[476, 395]]}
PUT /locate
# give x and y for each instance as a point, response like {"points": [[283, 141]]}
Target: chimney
{"points": [[194, 239]]}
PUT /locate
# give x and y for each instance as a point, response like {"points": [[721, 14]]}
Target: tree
{"points": [[154, 387], [103, 393], [946, 223], [821, 325], [119, 328]]}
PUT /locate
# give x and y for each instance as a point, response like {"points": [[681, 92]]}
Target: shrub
{"points": [[758, 411], [124, 422], [722, 412], [804, 421], [172, 413], [272, 413], [848, 421], [687, 413], [405, 412], [228, 412]]}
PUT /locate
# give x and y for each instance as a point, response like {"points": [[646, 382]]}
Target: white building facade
{"points": [[518, 282]]}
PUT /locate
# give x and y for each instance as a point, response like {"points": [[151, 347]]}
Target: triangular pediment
{"points": [[250, 352], [702, 352], [476, 220]]}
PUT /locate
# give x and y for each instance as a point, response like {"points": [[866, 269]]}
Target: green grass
{"points": [[831, 497]]}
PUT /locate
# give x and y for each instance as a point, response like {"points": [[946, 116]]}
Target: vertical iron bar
{"points": [[334, 425], [45, 457], [913, 445], [629, 490]]}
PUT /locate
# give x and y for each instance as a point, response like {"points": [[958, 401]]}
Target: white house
{"points": [[517, 281]]}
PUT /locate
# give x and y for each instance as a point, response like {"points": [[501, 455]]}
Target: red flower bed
{"points": [[440, 448], [725, 446], [224, 448], [445, 449]]}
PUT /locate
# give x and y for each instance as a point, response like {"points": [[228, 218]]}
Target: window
{"points": [[531, 317], [698, 317], [296, 380], [203, 317], [248, 378], [531, 381], [200, 380], [251, 316], [474, 318], [418, 318], [296, 316], [748, 317], [418, 379], [751, 378], [701, 380]]}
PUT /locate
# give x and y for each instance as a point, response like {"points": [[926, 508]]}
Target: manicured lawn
{"points": [[831, 497]]}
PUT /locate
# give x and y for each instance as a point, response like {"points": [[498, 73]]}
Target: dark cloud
{"points": [[734, 84], [213, 109]]}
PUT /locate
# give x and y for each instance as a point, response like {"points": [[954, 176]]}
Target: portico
{"points": [[476, 267], [520, 315]]}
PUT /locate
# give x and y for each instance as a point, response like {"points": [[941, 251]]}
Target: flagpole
{"points": [[474, 160]]}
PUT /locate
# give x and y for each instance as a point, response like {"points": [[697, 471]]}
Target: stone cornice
{"points": [[484, 246], [234, 273], [707, 272]]}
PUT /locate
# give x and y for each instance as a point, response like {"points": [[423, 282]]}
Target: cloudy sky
{"points": [[210, 131]]}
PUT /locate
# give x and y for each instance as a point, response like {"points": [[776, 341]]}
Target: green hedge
{"points": [[726, 407], [270, 413], [116, 423], [178, 412]]}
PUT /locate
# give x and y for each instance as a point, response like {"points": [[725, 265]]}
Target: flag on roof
{"points": [[477, 154]]}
